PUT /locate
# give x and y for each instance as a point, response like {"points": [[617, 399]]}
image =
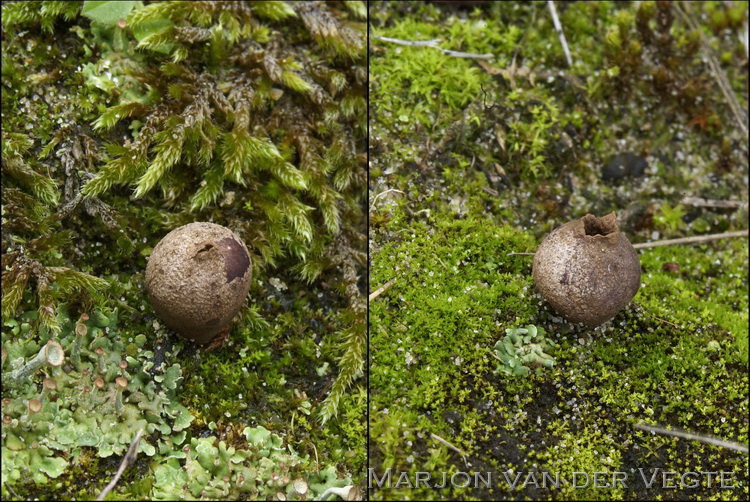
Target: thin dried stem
{"points": [[492, 353], [381, 194], [317, 464], [434, 44], [724, 204], [663, 320], [449, 445], [382, 289], [127, 460], [491, 191], [412, 43], [695, 437], [691, 240], [12, 491], [559, 30]]}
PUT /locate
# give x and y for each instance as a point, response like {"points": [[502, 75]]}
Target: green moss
{"points": [[405, 90], [459, 294], [704, 294], [657, 362], [456, 187]]}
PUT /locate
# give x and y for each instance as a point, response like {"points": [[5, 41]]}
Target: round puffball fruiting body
{"points": [[197, 278], [587, 270]]}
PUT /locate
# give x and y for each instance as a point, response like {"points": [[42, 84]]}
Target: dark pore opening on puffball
{"points": [[236, 259], [598, 226]]}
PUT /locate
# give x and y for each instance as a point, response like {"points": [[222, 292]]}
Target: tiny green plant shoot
{"points": [[523, 349]]}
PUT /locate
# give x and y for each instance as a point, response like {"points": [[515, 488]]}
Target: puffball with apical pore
{"points": [[197, 278], [587, 269]]}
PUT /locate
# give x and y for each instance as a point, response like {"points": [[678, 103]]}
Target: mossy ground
{"points": [[281, 357], [471, 162]]}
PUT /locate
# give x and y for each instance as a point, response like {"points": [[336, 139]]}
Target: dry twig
{"points": [[663, 320], [434, 44], [691, 240], [317, 464], [699, 202], [491, 191], [127, 460], [492, 353], [381, 194], [382, 289], [695, 437], [11, 491], [449, 445], [559, 30]]}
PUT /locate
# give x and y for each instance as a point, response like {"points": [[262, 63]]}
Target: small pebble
{"points": [[624, 164]]}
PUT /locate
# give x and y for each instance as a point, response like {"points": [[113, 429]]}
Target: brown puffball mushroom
{"points": [[587, 270], [197, 279]]}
